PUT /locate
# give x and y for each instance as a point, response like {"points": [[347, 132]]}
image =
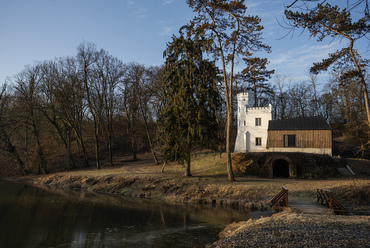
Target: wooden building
{"points": [[309, 135]]}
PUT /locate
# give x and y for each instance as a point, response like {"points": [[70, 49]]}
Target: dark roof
{"points": [[308, 123]]}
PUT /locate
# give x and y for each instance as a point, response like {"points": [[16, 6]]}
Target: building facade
{"points": [[309, 135], [257, 132], [252, 125]]}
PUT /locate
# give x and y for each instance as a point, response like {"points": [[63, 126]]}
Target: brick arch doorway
{"points": [[281, 166]]}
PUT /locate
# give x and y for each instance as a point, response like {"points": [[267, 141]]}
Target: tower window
{"points": [[258, 121], [258, 141], [245, 123]]}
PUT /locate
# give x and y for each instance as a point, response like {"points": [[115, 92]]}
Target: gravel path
{"points": [[290, 229]]}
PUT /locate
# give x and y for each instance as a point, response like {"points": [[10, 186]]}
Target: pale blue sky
{"points": [[132, 30]]}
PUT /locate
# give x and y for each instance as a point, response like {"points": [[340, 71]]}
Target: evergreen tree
{"points": [[330, 21], [190, 100], [256, 74]]}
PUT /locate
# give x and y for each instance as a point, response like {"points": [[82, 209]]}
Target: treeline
{"points": [[91, 108], [78, 111]]}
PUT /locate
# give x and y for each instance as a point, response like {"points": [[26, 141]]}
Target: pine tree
{"points": [[330, 21], [230, 33], [190, 100]]}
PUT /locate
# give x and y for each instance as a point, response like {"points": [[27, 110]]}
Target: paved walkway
{"points": [[309, 208]]}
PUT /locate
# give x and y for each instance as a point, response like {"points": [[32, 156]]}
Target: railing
{"points": [[326, 198], [280, 201]]}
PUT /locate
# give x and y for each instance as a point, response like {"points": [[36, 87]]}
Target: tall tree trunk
{"points": [[41, 167], [83, 148], [230, 172], [130, 131], [229, 118], [110, 148], [149, 138], [187, 168], [71, 164], [65, 137], [96, 135], [363, 83], [20, 164], [133, 148], [110, 132], [14, 152]]}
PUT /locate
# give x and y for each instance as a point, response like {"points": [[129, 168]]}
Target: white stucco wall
{"points": [[247, 129], [264, 113]]}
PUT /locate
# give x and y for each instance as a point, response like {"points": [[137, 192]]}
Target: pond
{"points": [[38, 216]]}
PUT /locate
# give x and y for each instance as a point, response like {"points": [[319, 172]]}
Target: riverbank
{"points": [[209, 185], [289, 229]]}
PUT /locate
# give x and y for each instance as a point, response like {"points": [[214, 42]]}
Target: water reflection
{"points": [[43, 217]]}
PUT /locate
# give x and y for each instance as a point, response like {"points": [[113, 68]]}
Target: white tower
{"points": [[252, 125]]}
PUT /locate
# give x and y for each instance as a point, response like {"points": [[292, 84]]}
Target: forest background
{"points": [[91, 107]]}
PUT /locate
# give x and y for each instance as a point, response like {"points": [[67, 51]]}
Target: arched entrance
{"points": [[280, 165], [281, 168]]}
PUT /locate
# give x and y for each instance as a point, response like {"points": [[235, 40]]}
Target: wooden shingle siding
{"points": [[304, 138]]}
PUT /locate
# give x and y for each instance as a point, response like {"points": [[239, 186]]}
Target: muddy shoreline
{"points": [[286, 229], [171, 190]]}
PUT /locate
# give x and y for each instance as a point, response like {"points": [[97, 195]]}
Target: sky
{"points": [[137, 31]]}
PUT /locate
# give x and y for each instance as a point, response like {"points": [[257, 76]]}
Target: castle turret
{"points": [[252, 125]]}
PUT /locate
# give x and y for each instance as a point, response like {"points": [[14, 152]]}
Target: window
{"points": [[289, 141], [258, 141], [245, 123], [258, 121]]}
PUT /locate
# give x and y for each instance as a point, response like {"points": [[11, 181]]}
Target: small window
{"points": [[258, 121], [290, 141], [258, 141], [245, 123]]}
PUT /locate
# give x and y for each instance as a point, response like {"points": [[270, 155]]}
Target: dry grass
{"points": [[209, 183], [289, 229], [359, 166]]}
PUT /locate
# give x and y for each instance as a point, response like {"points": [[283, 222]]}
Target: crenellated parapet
{"points": [[255, 110]]}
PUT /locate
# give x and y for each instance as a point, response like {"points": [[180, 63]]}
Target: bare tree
{"points": [[133, 81], [86, 55], [27, 89], [109, 73], [148, 102], [281, 96], [5, 124], [64, 105]]}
